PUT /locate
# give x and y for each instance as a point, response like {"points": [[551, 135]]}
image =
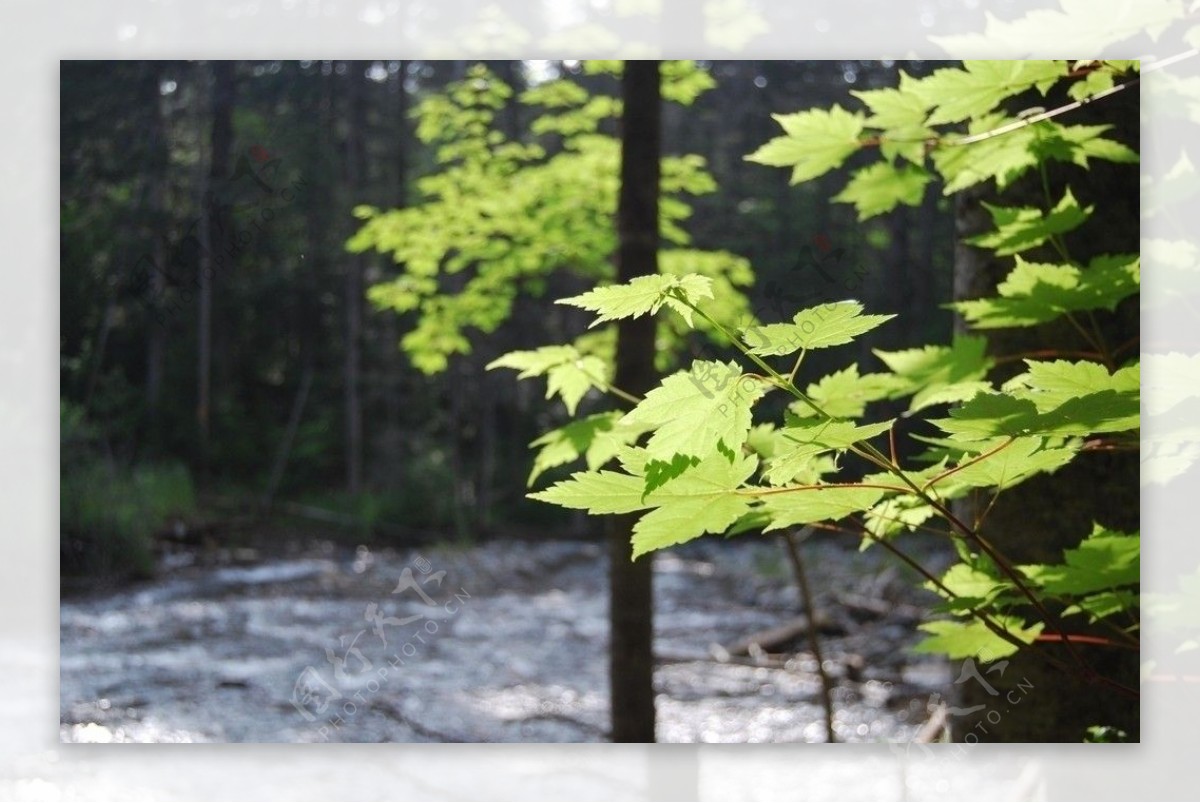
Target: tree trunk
{"points": [[156, 331], [356, 176], [631, 659], [216, 227]]}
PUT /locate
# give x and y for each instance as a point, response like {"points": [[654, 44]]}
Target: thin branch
{"points": [[1046, 354], [814, 639], [1037, 118], [968, 464]]}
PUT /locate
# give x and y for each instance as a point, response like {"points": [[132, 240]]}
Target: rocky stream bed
{"points": [[498, 642]]}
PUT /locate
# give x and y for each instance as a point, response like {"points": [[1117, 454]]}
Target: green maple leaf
{"points": [[1091, 84], [833, 324], [1007, 157], [693, 411], [1021, 228], [597, 438], [703, 500], [895, 515], [1053, 398], [1079, 398], [845, 394], [642, 295], [1018, 461], [973, 639], [1003, 158], [597, 492], [806, 441], [1104, 604], [881, 187], [659, 472], [900, 116], [979, 86], [1103, 561], [1104, 412], [935, 374], [768, 442], [1034, 293], [1078, 143], [969, 587], [816, 141], [805, 505], [990, 414], [892, 108], [569, 374], [1052, 384]]}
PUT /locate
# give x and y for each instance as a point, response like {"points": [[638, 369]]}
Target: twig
{"points": [[814, 638]]}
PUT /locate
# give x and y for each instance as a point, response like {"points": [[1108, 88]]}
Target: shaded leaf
{"points": [[1034, 293], [1104, 560], [597, 438], [804, 442], [1021, 228]]}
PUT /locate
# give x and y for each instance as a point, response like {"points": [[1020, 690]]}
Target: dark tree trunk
{"points": [[631, 659], [218, 230], [157, 177], [403, 142], [356, 179], [392, 363]]}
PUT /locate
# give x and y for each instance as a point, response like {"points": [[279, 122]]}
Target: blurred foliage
{"points": [[109, 515]]}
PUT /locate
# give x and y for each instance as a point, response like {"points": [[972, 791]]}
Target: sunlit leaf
{"points": [[833, 324], [790, 506], [973, 639], [978, 86], [569, 374], [693, 411], [881, 187], [702, 500], [642, 295], [816, 142]]}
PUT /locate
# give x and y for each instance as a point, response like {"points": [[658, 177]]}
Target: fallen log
{"points": [[779, 639]]}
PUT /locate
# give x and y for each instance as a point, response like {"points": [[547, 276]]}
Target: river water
{"points": [[497, 642]]}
